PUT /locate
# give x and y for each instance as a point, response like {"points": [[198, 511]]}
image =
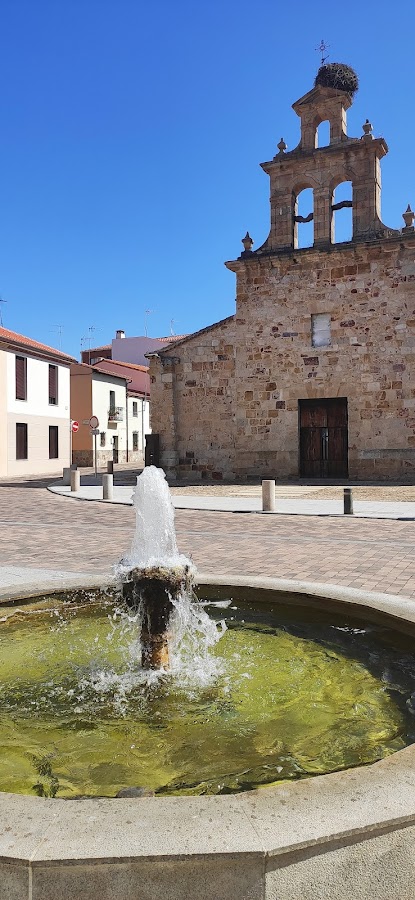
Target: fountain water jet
{"points": [[154, 575]]}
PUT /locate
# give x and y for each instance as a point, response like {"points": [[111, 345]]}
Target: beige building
{"points": [[34, 407], [314, 374], [117, 394]]}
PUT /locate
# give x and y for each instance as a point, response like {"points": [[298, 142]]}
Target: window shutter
{"points": [[21, 378], [53, 384]]}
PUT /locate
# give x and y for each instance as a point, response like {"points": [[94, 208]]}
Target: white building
{"points": [[34, 407]]}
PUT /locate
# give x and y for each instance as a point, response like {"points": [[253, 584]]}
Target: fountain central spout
{"points": [[154, 574]]}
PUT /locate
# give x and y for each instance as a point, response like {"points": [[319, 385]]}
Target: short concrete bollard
{"points": [[268, 496], [348, 502], [75, 479], [107, 487]]}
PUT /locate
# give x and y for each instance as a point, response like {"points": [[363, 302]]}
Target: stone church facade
{"points": [[314, 374]]}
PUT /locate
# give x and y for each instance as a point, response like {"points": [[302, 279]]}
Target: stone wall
{"points": [[192, 403], [226, 403]]}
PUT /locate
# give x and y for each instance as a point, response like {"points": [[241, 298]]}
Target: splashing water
{"points": [[154, 542], [191, 633]]}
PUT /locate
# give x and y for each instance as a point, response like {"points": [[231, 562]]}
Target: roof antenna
{"points": [[59, 329], [147, 313], [1, 311], [323, 49]]}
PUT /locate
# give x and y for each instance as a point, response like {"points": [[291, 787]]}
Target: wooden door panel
{"points": [[323, 438]]}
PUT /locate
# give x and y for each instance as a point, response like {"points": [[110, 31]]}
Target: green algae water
{"points": [[284, 693]]}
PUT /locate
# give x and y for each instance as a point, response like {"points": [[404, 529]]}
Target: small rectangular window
{"points": [[53, 442], [53, 385], [21, 378], [112, 402], [103, 437], [21, 440], [135, 440], [135, 408], [320, 330]]}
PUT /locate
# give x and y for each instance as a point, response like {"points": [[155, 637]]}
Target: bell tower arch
{"points": [[351, 159]]}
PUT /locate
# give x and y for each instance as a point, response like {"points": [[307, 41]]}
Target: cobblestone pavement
{"points": [[44, 530]]}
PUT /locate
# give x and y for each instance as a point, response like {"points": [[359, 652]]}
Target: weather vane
{"points": [[323, 48]]}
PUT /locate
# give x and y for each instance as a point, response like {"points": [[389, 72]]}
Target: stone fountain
{"points": [[346, 834]]}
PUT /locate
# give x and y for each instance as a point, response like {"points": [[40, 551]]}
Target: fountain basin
{"points": [[333, 836]]}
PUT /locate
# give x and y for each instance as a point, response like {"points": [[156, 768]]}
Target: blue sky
{"points": [[131, 137]]}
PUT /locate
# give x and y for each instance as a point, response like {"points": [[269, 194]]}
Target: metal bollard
{"points": [[110, 467], [347, 502], [107, 487], [75, 480], [268, 496]]}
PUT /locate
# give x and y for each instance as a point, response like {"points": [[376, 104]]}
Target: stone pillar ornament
{"points": [[367, 131], [247, 243], [281, 147], [408, 217]]}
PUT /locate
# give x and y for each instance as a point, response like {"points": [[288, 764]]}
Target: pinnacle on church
{"points": [[247, 242]]}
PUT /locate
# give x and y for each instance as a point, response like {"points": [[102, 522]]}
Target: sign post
{"points": [[74, 428], [93, 424]]}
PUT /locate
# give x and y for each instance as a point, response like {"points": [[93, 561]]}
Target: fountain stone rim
{"points": [[264, 823]]}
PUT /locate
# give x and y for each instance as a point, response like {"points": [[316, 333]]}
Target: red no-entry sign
{"points": [[75, 426]]}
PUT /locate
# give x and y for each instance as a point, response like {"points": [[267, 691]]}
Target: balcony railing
{"points": [[116, 414]]}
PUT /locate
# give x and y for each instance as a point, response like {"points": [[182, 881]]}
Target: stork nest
{"points": [[338, 76]]}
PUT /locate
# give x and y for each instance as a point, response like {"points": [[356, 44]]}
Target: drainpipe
{"points": [[142, 424], [127, 382]]}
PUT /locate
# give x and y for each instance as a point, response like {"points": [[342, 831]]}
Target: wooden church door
{"points": [[323, 438]]}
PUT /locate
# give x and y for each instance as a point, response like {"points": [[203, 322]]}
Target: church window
{"points": [[320, 330]]}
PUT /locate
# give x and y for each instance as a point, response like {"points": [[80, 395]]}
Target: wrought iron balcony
{"points": [[116, 414]]}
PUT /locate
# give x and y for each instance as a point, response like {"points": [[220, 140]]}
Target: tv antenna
{"points": [[59, 330], [147, 313], [323, 49], [88, 339], [1, 311]]}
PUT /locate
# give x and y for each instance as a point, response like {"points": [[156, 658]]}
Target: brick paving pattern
{"points": [[44, 530]]}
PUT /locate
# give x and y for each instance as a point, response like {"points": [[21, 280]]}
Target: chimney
{"points": [[119, 334]]}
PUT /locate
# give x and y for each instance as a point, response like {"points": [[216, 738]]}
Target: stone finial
{"points": [[408, 217], [247, 242], [282, 146], [367, 131]]}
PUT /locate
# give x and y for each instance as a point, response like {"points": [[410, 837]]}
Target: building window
{"points": [[135, 408], [21, 440], [112, 403], [135, 440], [320, 330], [103, 438], [53, 385], [21, 380], [53, 441]]}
